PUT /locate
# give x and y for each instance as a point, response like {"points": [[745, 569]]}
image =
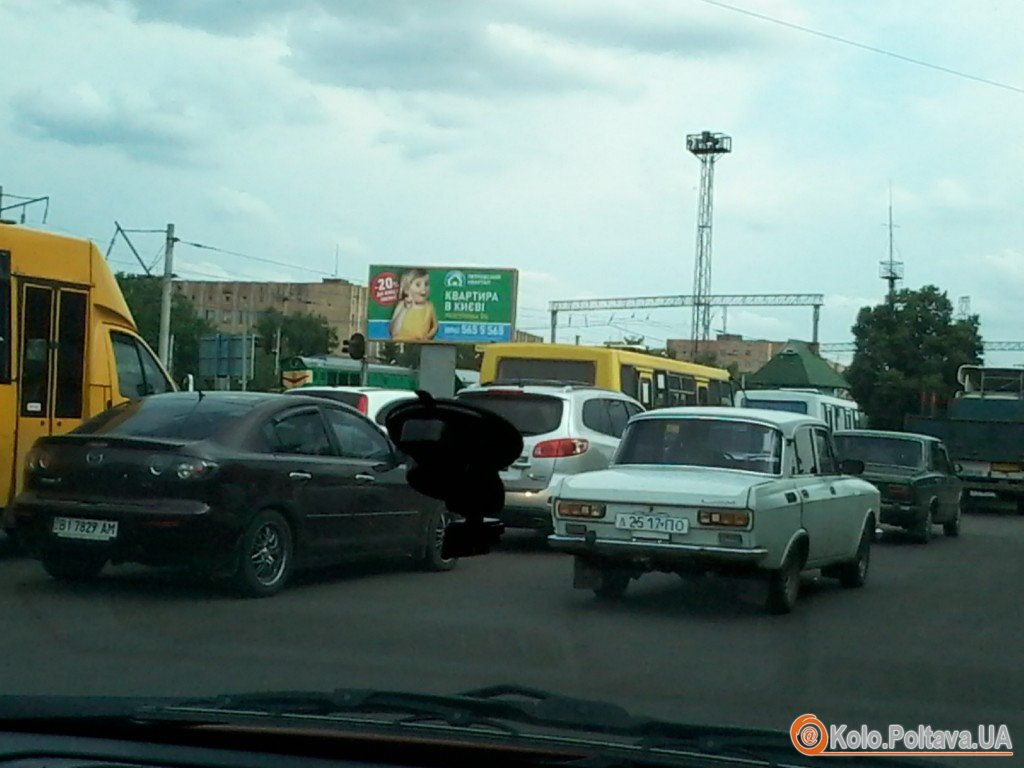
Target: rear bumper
{"points": [[528, 509], [656, 554], [162, 532], [892, 513], [993, 485]]}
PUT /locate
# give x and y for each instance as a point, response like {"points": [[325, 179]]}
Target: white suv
{"points": [[566, 429]]}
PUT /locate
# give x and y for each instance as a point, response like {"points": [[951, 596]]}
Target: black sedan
{"points": [[242, 486]]}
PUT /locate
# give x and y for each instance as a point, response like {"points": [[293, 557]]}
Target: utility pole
{"points": [[165, 299], [706, 146], [277, 354]]}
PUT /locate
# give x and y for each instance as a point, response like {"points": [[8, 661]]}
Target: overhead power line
{"points": [[865, 46], [260, 259]]}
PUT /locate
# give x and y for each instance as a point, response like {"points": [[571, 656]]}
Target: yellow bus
{"points": [[657, 382], [69, 348]]}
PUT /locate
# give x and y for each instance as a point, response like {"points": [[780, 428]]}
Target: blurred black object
{"points": [[455, 453]]}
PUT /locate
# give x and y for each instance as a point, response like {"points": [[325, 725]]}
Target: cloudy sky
{"points": [[542, 134]]}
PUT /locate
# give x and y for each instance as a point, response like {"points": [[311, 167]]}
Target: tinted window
{"points": [[629, 381], [619, 416], [721, 443], [632, 409], [138, 373], [530, 414], [339, 396], [597, 417], [887, 451], [35, 352], [356, 438], [525, 369], [182, 417], [298, 433], [156, 381], [131, 382], [70, 355]]}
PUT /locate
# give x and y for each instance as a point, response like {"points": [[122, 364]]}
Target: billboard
{"points": [[444, 305]]}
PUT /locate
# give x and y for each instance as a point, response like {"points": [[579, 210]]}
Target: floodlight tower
{"points": [[707, 147]]}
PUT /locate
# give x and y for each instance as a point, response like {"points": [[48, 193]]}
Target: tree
{"points": [[907, 350], [301, 334], [143, 294]]}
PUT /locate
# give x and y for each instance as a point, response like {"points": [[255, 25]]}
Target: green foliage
{"points": [[142, 293], [301, 334], [910, 347]]}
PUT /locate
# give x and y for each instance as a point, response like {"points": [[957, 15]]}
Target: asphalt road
{"points": [[934, 638]]}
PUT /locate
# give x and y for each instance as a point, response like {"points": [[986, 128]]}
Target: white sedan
{"points": [[731, 490]]}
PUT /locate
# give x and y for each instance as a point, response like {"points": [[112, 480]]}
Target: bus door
{"points": [[51, 362]]}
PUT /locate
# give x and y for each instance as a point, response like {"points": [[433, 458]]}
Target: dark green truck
{"points": [[984, 432], [913, 474]]}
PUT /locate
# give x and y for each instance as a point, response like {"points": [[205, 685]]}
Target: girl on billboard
{"points": [[414, 318]]}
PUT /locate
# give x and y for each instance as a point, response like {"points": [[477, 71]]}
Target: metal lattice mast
{"points": [[706, 146], [891, 271]]}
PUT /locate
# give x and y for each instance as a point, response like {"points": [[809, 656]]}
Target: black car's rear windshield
{"points": [[529, 413], [174, 417], [888, 451], [337, 395]]}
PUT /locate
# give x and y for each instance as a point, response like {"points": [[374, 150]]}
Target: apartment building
{"points": [[232, 307]]}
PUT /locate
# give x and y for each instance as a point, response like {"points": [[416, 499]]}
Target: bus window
{"points": [[523, 369], [702, 395], [156, 382], [35, 351], [138, 374], [5, 317], [629, 381], [131, 383], [70, 370]]}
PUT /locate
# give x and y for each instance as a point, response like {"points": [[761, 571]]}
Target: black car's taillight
{"points": [[185, 468]]}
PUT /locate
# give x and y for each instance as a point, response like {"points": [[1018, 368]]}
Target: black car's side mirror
{"points": [[455, 452], [851, 467]]}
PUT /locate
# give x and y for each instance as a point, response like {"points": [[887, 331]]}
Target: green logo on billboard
{"points": [[455, 279]]}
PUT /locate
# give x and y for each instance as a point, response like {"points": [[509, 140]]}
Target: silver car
{"points": [[566, 430]]}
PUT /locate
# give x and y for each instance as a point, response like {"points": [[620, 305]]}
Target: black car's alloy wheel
{"points": [[265, 556]]}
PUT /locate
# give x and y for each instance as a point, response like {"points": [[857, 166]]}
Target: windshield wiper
{"points": [[510, 711]]}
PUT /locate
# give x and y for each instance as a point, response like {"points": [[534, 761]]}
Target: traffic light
{"points": [[355, 346]]}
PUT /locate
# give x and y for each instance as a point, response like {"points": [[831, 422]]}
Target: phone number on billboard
{"points": [[480, 329]]}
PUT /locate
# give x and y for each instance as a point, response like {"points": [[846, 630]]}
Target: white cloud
{"points": [[545, 136], [238, 203]]}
